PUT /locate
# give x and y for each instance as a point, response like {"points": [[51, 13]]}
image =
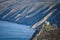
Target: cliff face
{"points": [[48, 33], [32, 13]]}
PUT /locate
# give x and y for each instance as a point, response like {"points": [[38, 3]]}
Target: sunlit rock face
{"points": [[24, 13]]}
